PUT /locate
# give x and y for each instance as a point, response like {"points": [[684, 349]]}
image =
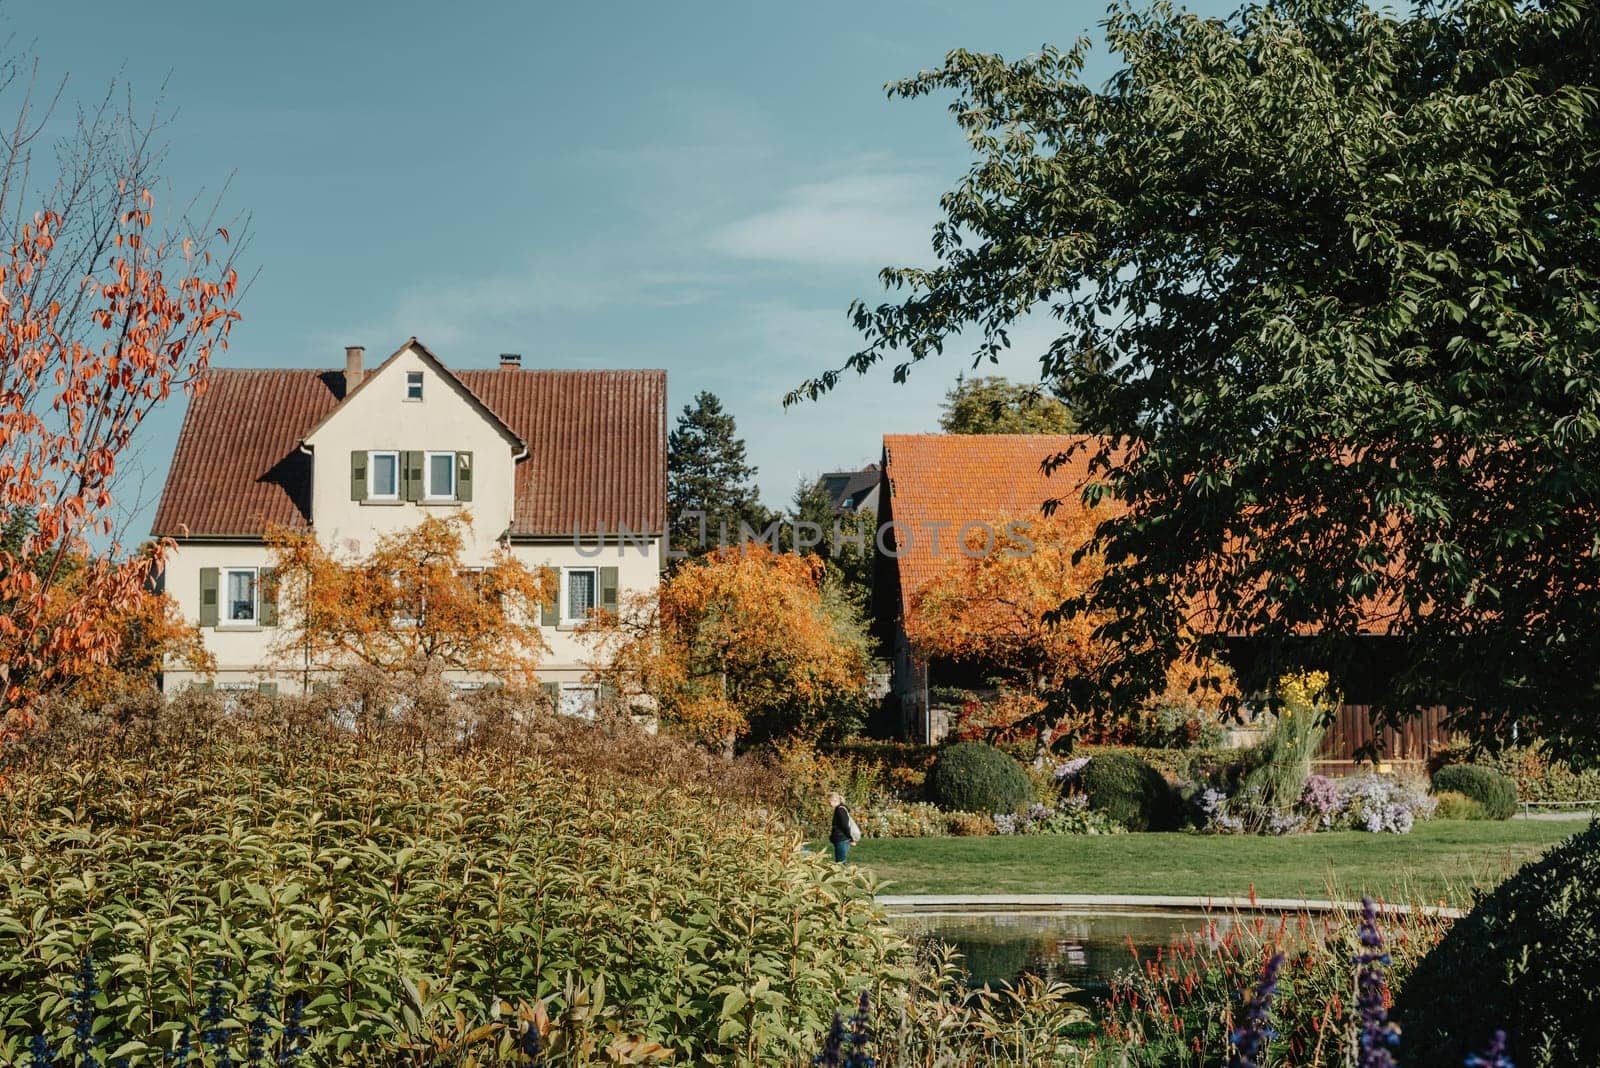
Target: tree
{"points": [[1338, 267], [711, 495], [413, 605], [842, 540], [103, 314], [742, 645], [993, 405], [995, 607]]}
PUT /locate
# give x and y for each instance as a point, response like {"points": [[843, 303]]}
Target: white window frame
{"points": [[427, 477], [413, 378], [372, 469], [225, 607], [566, 586]]}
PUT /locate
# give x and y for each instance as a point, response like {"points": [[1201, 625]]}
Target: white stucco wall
{"points": [[379, 417]]}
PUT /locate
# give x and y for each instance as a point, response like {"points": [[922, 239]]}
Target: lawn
{"points": [[1442, 860]]}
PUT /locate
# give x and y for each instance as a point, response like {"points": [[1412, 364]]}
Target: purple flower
{"points": [[1250, 1040], [1378, 1035], [1493, 1057]]}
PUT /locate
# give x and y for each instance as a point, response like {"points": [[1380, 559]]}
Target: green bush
{"points": [[974, 777], [1131, 792], [1496, 793], [1538, 775], [1525, 959], [1454, 806], [350, 871]]}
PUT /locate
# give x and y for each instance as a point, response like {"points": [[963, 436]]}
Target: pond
{"points": [[1083, 948]]}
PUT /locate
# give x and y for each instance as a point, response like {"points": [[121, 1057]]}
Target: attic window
{"points": [[413, 385]]}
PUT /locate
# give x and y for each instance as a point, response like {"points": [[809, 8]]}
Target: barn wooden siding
{"points": [[1352, 729]]}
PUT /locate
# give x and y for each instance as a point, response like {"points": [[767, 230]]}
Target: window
{"points": [[579, 594], [239, 599], [383, 476], [409, 603], [580, 700], [441, 475], [413, 385]]}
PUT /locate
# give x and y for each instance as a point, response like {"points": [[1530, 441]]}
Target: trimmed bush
{"points": [[1131, 792], [974, 777], [1494, 791], [1526, 959], [1454, 806]]}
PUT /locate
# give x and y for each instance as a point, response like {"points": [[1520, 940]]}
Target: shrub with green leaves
{"points": [[1526, 959], [1131, 792], [393, 888], [1454, 806], [1490, 789], [975, 777]]}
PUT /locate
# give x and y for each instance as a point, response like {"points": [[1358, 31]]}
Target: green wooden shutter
{"points": [[321, 686], [268, 592], [267, 689], [205, 687], [209, 608], [608, 588], [608, 694], [463, 476], [549, 616], [358, 476], [413, 472], [552, 693]]}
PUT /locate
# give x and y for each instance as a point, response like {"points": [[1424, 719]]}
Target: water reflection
{"points": [[1080, 948]]}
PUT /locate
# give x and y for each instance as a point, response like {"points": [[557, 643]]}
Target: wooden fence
{"points": [[1352, 729]]}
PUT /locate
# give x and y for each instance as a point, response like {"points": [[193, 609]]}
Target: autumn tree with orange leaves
{"points": [[995, 606], [743, 645], [412, 604], [104, 313]]}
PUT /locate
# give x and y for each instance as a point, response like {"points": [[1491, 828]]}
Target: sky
{"points": [[694, 186]]}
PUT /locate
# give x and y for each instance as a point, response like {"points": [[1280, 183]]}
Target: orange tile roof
{"points": [[596, 443], [952, 479]]}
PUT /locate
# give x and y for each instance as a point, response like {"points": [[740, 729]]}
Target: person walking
{"points": [[844, 833]]}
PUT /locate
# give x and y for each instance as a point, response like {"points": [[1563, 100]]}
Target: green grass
{"points": [[1438, 861]]}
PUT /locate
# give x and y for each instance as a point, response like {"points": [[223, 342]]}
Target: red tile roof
{"points": [[952, 479], [597, 451]]}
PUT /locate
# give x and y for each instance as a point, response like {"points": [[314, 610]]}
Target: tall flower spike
{"points": [[1378, 1036], [860, 1055], [832, 1055], [85, 990], [1493, 1057], [1249, 1041], [293, 1031], [261, 1020], [215, 1036], [40, 1053]]}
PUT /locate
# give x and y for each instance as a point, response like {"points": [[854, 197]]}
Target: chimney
{"points": [[352, 367], [510, 361]]}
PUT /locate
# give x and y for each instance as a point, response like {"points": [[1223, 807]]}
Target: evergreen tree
{"points": [[711, 491], [809, 529]]}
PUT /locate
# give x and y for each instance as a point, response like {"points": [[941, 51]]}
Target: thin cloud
{"points": [[858, 220]]}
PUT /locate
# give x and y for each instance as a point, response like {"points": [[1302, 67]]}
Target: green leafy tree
{"points": [[1338, 267], [993, 405], [712, 496]]}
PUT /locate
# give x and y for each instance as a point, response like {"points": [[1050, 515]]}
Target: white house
{"points": [[567, 468]]}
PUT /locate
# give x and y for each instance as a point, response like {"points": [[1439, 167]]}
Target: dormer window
{"points": [[383, 476], [413, 385], [441, 476]]}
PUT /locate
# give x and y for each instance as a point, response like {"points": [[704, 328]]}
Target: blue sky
{"points": [[701, 187]]}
